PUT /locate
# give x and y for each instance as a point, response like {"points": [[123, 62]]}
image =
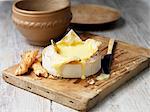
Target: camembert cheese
{"points": [[74, 59]]}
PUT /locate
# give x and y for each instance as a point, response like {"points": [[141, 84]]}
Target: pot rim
{"points": [[15, 8]]}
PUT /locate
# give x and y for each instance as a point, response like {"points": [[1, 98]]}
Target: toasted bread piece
{"points": [[27, 60]]}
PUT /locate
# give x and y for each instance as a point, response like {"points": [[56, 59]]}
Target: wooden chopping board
{"points": [[129, 60]]}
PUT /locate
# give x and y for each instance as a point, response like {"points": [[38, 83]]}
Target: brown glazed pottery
{"points": [[93, 14], [41, 20]]}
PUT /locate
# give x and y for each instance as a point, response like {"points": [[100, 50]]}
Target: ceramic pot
{"points": [[39, 21]]}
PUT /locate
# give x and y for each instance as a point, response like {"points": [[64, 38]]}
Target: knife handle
{"points": [[110, 46]]}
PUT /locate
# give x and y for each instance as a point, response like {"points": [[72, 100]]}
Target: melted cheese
{"points": [[72, 48], [70, 39], [82, 51], [83, 70]]}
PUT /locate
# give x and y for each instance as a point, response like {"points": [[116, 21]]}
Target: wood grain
{"points": [[134, 28], [77, 93]]}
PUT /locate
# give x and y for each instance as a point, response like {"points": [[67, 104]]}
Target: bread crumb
{"points": [[91, 81]]}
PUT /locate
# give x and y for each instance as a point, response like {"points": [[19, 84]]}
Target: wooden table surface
{"points": [[134, 27]]}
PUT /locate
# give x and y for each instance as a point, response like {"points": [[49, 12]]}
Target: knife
{"points": [[107, 60]]}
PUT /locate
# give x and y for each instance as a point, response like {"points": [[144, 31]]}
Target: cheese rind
{"points": [[69, 70]]}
